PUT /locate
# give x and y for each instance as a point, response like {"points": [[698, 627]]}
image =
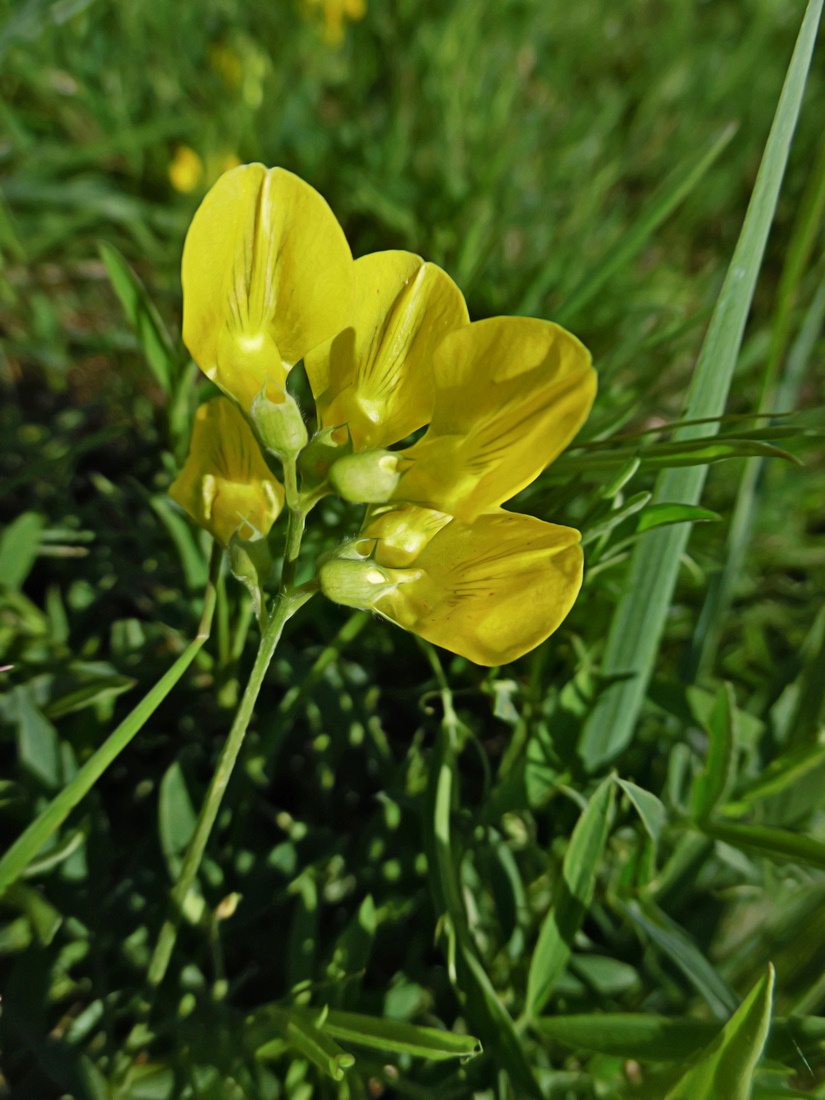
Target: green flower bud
{"points": [[353, 582], [367, 478], [279, 425], [325, 447], [250, 562]]}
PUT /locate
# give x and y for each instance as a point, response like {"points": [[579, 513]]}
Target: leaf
{"points": [[45, 919], [725, 1067], [576, 886], [638, 622], [144, 318], [38, 746], [650, 808], [19, 545], [629, 1035], [176, 817], [95, 691], [712, 784], [779, 844], [676, 944], [659, 515], [367, 1031], [194, 564]]}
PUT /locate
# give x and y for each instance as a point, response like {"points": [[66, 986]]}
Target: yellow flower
{"points": [[267, 276], [510, 394], [186, 170], [225, 484], [490, 590], [335, 13], [376, 376]]}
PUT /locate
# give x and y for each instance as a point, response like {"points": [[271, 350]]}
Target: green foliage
{"points": [[422, 878]]}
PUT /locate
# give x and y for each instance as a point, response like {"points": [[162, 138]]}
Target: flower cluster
{"points": [[389, 350]]}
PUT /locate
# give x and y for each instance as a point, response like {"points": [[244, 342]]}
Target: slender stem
{"points": [[285, 607], [26, 847], [295, 524]]}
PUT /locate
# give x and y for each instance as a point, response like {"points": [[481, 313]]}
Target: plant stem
{"points": [[295, 524], [26, 847], [285, 607]]}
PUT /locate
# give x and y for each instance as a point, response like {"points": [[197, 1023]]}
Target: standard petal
{"points": [[511, 394], [377, 374], [490, 591], [267, 275], [225, 484]]}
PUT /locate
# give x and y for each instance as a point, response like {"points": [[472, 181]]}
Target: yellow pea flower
{"points": [[335, 13], [225, 484], [490, 590], [511, 393], [267, 276], [376, 376]]}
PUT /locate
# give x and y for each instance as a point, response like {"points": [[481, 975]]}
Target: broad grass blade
{"points": [[639, 619]]}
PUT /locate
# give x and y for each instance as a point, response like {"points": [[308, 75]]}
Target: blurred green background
{"points": [[521, 145]]}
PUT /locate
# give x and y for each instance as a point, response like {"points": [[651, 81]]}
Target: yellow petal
{"points": [[511, 394], [225, 484], [377, 375], [267, 275], [489, 591]]}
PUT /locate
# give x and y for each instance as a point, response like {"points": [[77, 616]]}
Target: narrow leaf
{"points": [[19, 544], [713, 784], [676, 944], [579, 871], [660, 515], [779, 844], [639, 619], [650, 808], [725, 1067], [144, 318]]}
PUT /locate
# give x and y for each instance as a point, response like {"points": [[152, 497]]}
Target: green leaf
{"points": [[660, 515], [712, 784], [725, 1067], [640, 616], [45, 919], [629, 1035], [104, 687], [677, 945], [650, 808], [176, 817], [316, 1044], [38, 746], [195, 565], [19, 545], [576, 886], [143, 317], [391, 1036], [779, 844]]}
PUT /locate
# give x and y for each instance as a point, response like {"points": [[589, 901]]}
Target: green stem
{"points": [[25, 848], [285, 607], [295, 525]]}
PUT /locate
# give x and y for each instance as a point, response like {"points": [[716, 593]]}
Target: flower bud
{"points": [[325, 447], [250, 562], [279, 425], [367, 478], [354, 582]]}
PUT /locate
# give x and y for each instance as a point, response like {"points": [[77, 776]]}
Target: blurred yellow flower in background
{"points": [[188, 173], [225, 484], [335, 14], [185, 170]]}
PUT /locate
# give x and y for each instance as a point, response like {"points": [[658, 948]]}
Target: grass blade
{"points": [[639, 619]]}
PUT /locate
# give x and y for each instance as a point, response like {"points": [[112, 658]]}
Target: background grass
{"points": [[521, 145]]}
